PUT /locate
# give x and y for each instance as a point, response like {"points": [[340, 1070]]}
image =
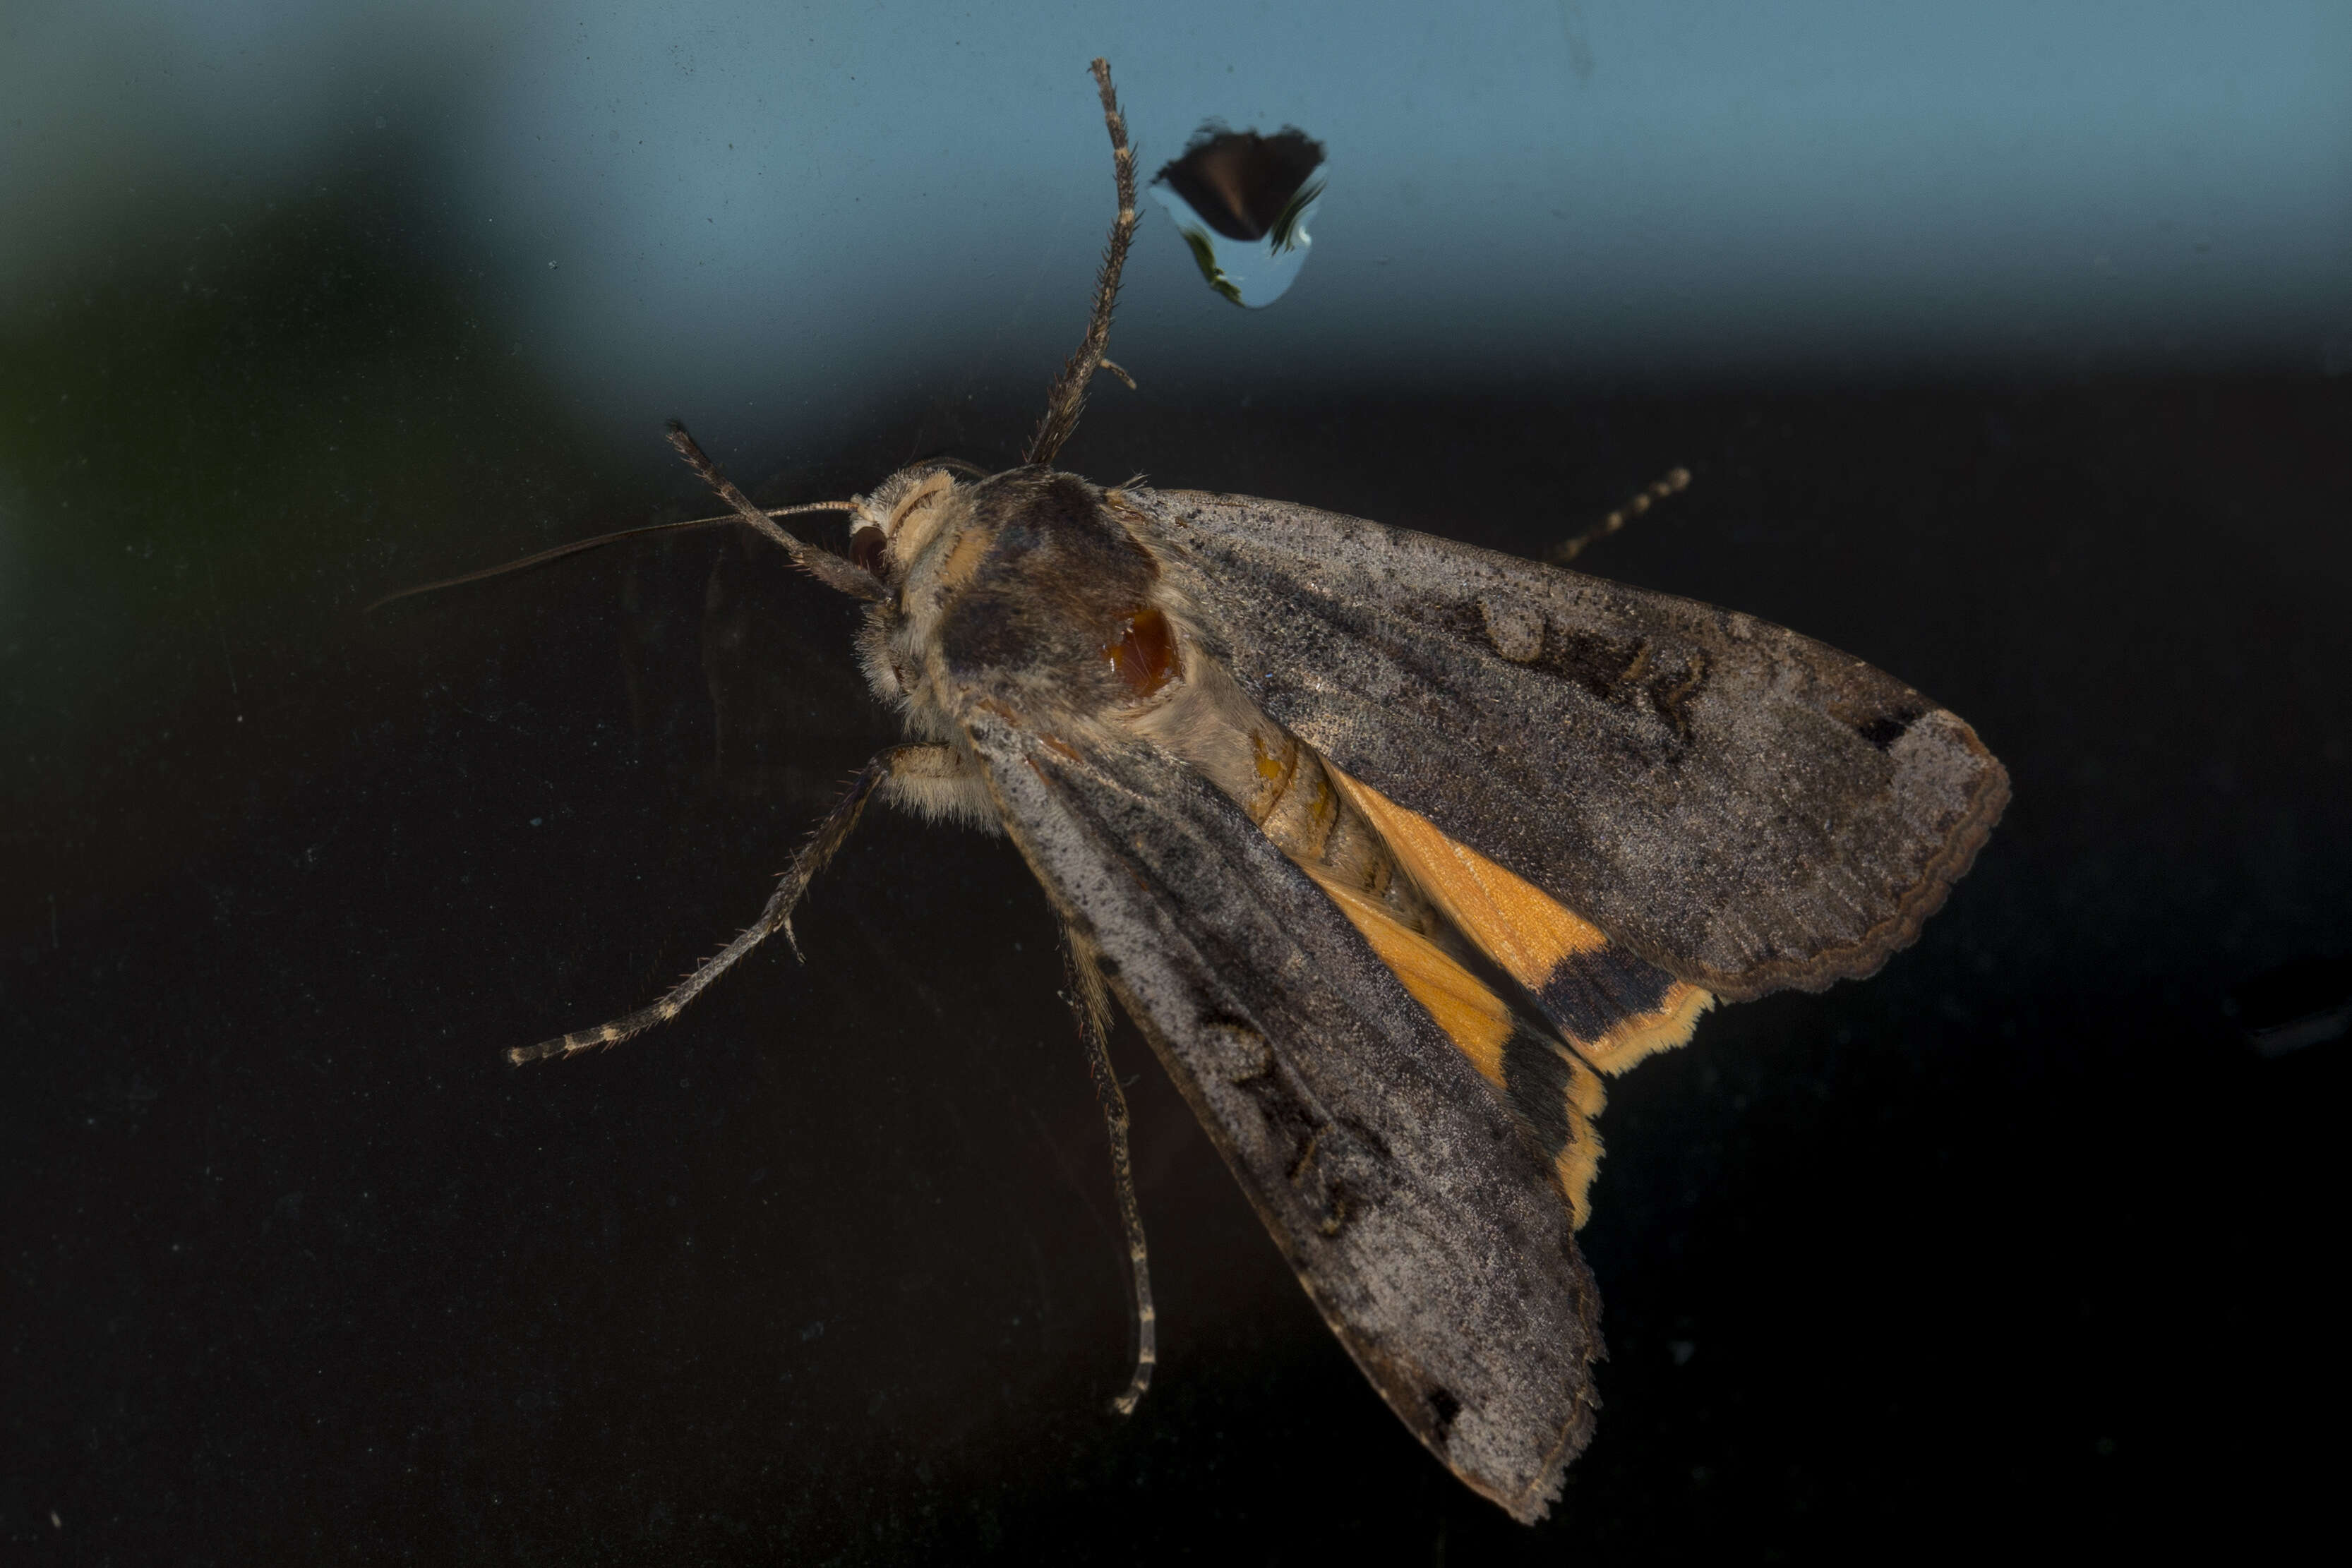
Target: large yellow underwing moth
{"points": [[1395, 850]]}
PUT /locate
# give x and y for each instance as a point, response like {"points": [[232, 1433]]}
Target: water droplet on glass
{"points": [[1242, 201]]}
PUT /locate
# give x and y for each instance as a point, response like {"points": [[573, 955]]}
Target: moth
{"points": [[1394, 850]]}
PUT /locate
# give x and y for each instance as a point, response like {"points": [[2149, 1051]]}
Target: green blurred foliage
{"points": [[214, 451]]}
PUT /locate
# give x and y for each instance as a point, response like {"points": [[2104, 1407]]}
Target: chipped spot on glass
{"points": [[1242, 201]]}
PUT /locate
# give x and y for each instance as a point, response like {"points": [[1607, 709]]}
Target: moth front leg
{"points": [[942, 784], [931, 772]]}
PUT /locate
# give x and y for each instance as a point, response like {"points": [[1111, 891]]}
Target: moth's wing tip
{"points": [[1533, 1505], [1953, 860], [1988, 798], [1527, 1495], [1532, 1502]]}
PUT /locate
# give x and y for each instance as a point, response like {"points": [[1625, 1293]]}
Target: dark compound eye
{"points": [[868, 550]]}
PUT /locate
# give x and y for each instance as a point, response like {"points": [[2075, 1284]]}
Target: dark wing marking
{"points": [[1420, 1221], [1746, 807]]}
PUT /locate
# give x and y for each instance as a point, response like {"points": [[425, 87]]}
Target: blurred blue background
{"points": [[815, 209]]}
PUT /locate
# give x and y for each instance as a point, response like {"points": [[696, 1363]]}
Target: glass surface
{"points": [[2006, 346]]}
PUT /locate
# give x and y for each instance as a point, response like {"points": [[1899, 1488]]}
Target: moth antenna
{"points": [[544, 557], [1677, 481], [1090, 1003], [846, 576], [777, 917], [1068, 398]]}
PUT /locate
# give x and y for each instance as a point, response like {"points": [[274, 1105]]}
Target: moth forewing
{"points": [[1419, 1220], [1744, 808]]}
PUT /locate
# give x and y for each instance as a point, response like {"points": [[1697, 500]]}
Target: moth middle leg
{"points": [[937, 780], [1089, 1001]]}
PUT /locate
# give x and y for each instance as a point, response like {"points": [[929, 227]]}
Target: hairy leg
{"points": [[1091, 1003], [777, 917]]}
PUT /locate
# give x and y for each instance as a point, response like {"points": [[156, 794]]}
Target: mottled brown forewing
{"points": [[1420, 1222], [1746, 807]]}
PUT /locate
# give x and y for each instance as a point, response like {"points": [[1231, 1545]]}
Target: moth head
{"points": [[895, 533], [890, 528]]}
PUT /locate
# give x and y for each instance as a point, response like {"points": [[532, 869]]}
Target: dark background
{"points": [[2019, 1239]]}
